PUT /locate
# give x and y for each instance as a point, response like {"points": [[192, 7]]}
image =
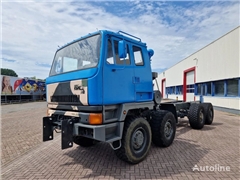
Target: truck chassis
{"points": [[129, 128]]}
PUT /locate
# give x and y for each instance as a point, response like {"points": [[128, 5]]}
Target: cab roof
{"points": [[120, 34]]}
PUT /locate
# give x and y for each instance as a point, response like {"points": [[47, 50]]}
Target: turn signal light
{"points": [[95, 119]]}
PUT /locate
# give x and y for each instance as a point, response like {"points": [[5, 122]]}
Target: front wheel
{"points": [[136, 140]]}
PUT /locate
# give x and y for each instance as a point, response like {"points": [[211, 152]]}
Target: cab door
{"points": [[142, 73], [118, 74]]}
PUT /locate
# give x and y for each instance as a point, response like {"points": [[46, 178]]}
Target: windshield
{"points": [[79, 55]]}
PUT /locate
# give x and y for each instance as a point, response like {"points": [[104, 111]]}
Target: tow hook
{"points": [[65, 127], [67, 133]]}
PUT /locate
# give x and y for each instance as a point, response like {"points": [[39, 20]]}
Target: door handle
{"points": [[114, 69]]}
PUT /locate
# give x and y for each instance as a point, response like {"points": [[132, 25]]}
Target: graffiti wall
{"points": [[21, 86]]}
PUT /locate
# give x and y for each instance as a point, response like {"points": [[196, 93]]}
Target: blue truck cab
{"points": [[110, 77], [96, 85]]}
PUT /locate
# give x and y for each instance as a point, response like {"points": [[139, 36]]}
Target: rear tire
{"points": [[196, 116], [136, 140], [209, 113], [163, 125], [83, 141]]}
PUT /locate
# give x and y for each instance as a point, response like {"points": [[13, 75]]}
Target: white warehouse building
{"points": [[211, 74]]}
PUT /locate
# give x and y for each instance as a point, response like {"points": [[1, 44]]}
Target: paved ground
{"points": [[25, 156]]}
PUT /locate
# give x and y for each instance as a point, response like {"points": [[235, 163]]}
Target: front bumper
{"points": [[72, 126]]}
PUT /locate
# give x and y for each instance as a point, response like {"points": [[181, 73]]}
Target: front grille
{"points": [[65, 98]]}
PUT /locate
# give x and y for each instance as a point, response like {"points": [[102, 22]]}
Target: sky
{"points": [[32, 31]]}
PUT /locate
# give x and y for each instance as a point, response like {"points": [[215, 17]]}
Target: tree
{"points": [[8, 72], [41, 80]]}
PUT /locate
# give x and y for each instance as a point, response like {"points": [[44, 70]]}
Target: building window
{"points": [[232, 87], [199, 86], [178, 89], [219, 88], [204, 90], [173, 90], [190, 88], [167, 90], [209, 90]]}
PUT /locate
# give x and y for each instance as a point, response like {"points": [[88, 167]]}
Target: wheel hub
{"points": [[201, 116], [138, 139], [168, 129]]}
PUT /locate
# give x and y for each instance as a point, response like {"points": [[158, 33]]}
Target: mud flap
{"points": [[67, 133], [47, 128]]}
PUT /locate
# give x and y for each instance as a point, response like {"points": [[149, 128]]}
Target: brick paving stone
{"points": [[25, 156]]}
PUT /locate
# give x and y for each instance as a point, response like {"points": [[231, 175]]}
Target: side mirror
{"points": [[122, 50], [150, 53]]}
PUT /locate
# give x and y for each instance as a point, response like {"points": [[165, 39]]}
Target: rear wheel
{"points": [[163, 125], [209, 113], [136, 140], [83, 141], [196, 116]]}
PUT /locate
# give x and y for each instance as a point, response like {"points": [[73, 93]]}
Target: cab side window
{"points": [[127, 59], [110, 59], [137, 52], [118, 60], [121, 61], [112, 52]]}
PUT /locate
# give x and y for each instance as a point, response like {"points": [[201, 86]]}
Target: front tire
{"points": [[163, 125], [136, 140]]}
